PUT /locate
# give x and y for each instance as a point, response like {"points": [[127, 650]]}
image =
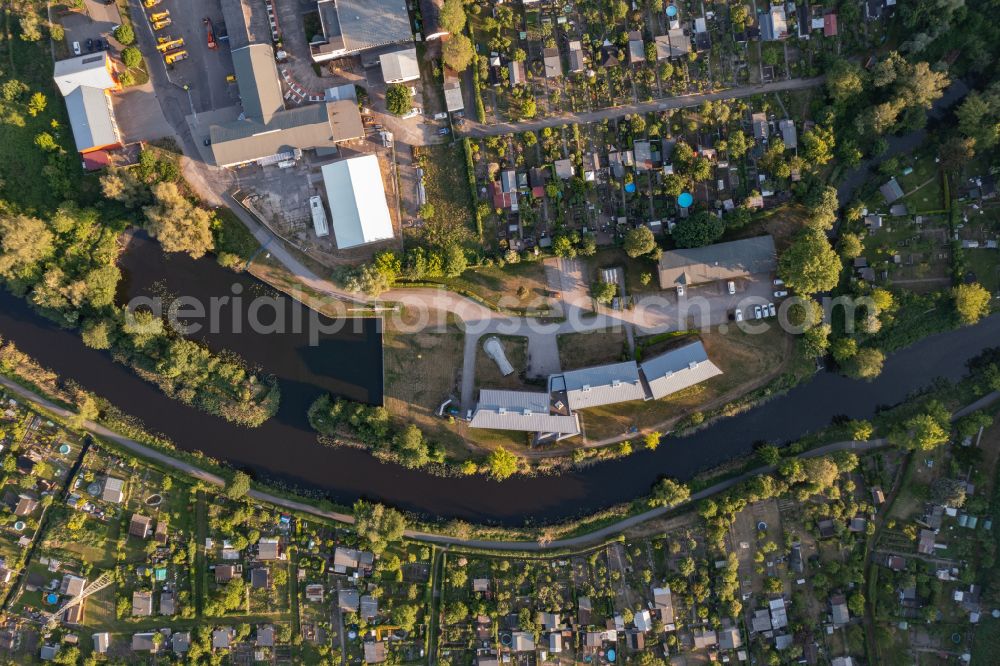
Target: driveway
{"points": [[139, 115], [475, 129]]}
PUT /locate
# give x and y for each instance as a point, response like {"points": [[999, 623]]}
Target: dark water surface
{"points": [[349, 363]]}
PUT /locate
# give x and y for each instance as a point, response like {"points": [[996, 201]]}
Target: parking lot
{"points": [[703, 305], [97, 23], [205, 70]]}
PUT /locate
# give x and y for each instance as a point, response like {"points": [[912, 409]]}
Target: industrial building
{"points": [[267, 132], [553, 415], [356, 196], [353, 26], [85, 83], [400, 66], [722, 261]]}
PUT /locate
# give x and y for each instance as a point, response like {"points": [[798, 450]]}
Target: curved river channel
{"points": [[349, 363]]}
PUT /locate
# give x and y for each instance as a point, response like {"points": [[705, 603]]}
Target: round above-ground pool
{"points": [[671, 10], [64, 449], [154, 500], [684, 200], [612, 654], [51, 598], [630, 187], [19, 525]]}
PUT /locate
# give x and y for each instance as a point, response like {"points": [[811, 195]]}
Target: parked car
{"points": [[76, 48], [781, 293], [756, 312], [680, 290], [778, 282], [739, 314], [771, 310], [444, 131], [731, 286]]}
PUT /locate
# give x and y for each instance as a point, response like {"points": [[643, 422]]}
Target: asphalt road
{"points": [[475, 129]]}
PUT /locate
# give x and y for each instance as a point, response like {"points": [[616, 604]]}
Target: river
{"points": [[349, 363]]}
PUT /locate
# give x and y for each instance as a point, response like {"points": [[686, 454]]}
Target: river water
{"points": [[349, 363]]}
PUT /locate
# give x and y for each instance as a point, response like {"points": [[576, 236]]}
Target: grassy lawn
{"points": [[488, 374], [582, 350], [446, 186], [421, 371], [520, 287], [747, 361], [986, 265]]}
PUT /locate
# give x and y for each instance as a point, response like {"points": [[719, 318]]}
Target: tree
{"points": [[702, 228], [24, 243], [769, 454], [956, 152], [856, 604], [866, 364], [455, 261], [502, 463], [131, 57], [31, 25], [397, 99], [238, 486], [639, 241], [413, 450], [844, 349], [669, 493], [652, 440], [922, 432], [972, 302], [378, 525], [949, 492], [453, 16], [179, 225], [810, 265], [844, 82], [850, 246], [97, 333], [817, 145], [36, 104], [457, 52], [738, 144], [124, 34], [603, 292]]}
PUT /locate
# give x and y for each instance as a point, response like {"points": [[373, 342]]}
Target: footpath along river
{"points": [[349, 362]]}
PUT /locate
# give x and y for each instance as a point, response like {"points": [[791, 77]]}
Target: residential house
{"points": [[314, 593], [895, 562], [636, 48], [522, 641], [168, 603], [265, 636], [180, 642], [705, 638], [160, 534], [269, 549], [517, 72], [774, 24], [260, 578], [345, 559], [576, 61], [143, 642], [730, 638], [349, 600], [925, 545], [374, 652], [891, 191], [552, 62], [779, 614], [72, 586], [761, 129], [761, 621], [26, 505], [102, 641], [140, 526], [663, 602], [114, 490], [838, 610], [221, 638], [225, 572], [564, 169], [142, 603], [788, 135], [369, 607]]}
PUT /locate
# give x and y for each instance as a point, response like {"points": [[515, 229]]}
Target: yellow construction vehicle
{"points": [[150, 3], [175, 56], [164, 39], [231, 78], [160, 25], [159, 16], [169, 45]]}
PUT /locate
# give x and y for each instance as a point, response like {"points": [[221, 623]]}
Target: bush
{"points": [[397, 99], [125, 35], [131, 57]]}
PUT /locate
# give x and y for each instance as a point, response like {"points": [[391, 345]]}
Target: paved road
{"points": [[475, 129], [571, 542]]}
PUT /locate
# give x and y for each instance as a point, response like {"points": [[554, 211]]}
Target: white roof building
{"points": [[400, 66], [356, 196], [678, 369], [521, 410], [84, 82], [601, 385]]}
